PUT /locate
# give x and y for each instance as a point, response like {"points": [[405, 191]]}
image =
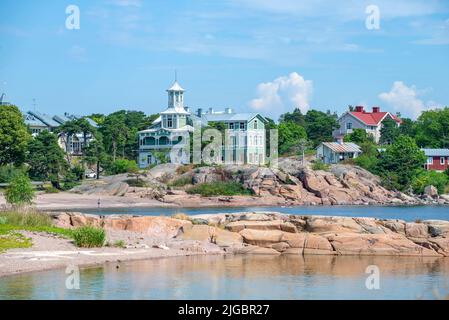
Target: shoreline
{"points": [[66, 201]]}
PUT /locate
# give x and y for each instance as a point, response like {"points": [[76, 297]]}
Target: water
{"points": [[407, 213], [241, 277]]}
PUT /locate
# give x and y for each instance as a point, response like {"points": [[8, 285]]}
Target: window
{"points": [[429, 160], [242, 125], [231, 125], [169, 122], [441, 160], [255, 124], [349, 126]]}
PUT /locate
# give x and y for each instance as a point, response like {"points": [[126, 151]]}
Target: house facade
{"points": [[437, 159], [334, 152], [71, 144], [169, 134], [371, 122]]}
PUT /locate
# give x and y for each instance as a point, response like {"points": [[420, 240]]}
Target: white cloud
{"points": [[407, 100], [283, 94]]}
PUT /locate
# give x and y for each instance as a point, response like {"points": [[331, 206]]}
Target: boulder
{"points": [[215, 235], [431, 191], [261, 238], [397, 226], [238, 226], [377, 244], [82, 220], [416, 230], [437, 227], [317, 245], [323, 224]]}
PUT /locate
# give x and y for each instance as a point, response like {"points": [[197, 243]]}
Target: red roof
{"points": [[373, 118]]}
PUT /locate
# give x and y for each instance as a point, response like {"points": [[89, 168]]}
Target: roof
{"points": [[45, 118], [175, 87], [175, 111], [342, 147], [436, 152], [229, 117], [33, 121], [373, 118]]}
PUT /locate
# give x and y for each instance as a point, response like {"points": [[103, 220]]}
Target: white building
{"points": [[361, 119]]}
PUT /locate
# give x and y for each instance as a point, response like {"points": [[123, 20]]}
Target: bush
{"points": [[181, 181], [367, 162], [219, 189], [137, 183], [78, 172], [51, 189], [426, 178], [319, 165], [20, 191], [120, 244], [69, 185], [89, 237], [184, 169], [8, 172], [122, 166]]}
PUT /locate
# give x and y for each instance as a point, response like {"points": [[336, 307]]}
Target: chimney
{"points": [[199, 112], [211, 111], [359, 109], [339, 139], [376, 109]]}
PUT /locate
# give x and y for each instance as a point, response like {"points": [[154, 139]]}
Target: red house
{"points": [[437, 159]]}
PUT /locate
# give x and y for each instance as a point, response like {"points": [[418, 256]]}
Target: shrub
{"points": [[219, 188], [319, 165], [137, 183], [181, 181], [51, 189], [120, 244], [20, 190], [89, 237], [426, 178], [122, 166], [367, 162], [184, 169], [78, 172], [8, 172], [69, 185]]}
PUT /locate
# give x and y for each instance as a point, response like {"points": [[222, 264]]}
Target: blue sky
{"points": [[265, 55]]}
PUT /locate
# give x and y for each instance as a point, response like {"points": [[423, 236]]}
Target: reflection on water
{"points": [[241, 277]]}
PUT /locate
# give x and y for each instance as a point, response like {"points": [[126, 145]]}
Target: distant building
{"points": [[73, 144], [437, 159], [371, 122], [247, 137], [334, 152]]}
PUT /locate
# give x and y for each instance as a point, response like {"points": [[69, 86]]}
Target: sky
{"points": [[266, 56]]}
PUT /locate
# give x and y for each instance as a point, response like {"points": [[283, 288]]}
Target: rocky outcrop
{"points": [[275, 233]]}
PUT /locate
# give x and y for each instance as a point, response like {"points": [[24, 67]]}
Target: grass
{"points": [[319, 165], [89, 237], [181, 216], [119, 244], [11, 223], [137, 183], [219, 188], [13, 240], [181, 182]]}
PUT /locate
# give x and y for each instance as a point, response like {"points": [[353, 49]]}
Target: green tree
{"points": [[389, 131], [14, 136], [289, 136], [95, 154], [319, 126], [359, 136], [432, 128], [20, 191], [407, 127], [46, 159], [296, 116], [400, 163]]}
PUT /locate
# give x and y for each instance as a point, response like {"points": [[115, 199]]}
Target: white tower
{"points": [[176, 96]]}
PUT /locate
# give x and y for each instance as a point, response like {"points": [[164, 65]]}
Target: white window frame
{"points": [[429, 160], [442, 160], [348, 125]]}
